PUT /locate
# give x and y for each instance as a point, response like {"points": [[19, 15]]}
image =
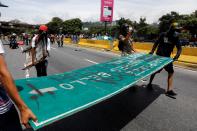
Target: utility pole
{"points": [[105, 27]]}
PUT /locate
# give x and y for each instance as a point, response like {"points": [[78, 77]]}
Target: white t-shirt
{"points": [[1, 48], [33, 43], [40, 46]]}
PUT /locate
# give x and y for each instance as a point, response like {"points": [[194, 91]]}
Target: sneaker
{"points": [[149, 86], [171, 93]]}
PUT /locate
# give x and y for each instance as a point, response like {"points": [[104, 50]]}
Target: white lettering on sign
{"points": [[45, 90], [78, 81], [108, 2], [103, 74], [66, 86], [98, 76]]}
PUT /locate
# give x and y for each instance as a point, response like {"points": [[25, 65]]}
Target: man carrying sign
{"points": [[165, 45], [125, 41], [9, 119]]}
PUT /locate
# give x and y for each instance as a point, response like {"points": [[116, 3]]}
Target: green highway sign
{"points": [[55, 97]]}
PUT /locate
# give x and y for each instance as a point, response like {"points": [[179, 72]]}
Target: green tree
{"points": [[55, 25], [123, 21], [72, 26], [167, 19], [142, 27]]}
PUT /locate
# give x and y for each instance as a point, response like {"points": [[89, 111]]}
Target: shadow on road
{"points": [[112, 114]]}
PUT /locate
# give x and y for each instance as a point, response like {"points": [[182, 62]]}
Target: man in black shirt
{"points": [[165, 45]]}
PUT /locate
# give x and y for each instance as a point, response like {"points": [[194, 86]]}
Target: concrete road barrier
{"points": [[106, 44], [67, 40]]}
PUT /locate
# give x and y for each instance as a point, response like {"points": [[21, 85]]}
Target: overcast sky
{"points": [[41, 11]]}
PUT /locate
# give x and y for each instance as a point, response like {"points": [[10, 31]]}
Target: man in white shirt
{"points": [[41, 45]]}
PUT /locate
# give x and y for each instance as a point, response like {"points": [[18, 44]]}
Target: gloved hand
{"points": [[175, 59]]}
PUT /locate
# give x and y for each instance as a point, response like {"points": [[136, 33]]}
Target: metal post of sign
{"points": [[105, 27]]}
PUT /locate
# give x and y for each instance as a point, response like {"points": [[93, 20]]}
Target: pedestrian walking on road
{"points": [[52, 38], [58, 39], [165, 45], [41, 46], [62, 40]]}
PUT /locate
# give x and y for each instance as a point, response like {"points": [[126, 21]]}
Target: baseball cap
{"points": [[43, 28], [175, 25]]}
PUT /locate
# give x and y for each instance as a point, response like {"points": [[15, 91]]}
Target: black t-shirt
{"points": [[166, 44]]}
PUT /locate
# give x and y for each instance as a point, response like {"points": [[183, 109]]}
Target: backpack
{"points": [[41, 50]]}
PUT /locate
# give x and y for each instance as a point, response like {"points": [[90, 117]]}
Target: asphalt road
{"points": [[136, 109]]}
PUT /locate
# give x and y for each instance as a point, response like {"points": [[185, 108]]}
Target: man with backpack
{"points": [[41, 48]]}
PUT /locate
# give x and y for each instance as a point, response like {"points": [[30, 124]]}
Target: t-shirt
{"points": [[33, 44], [5, 102], [41, 47], [166, 44], [125, 46]]}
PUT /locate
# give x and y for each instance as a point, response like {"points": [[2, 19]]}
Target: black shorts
{"points": [[169, 68], [10, 121]]}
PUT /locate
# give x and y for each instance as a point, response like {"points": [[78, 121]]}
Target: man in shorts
{"points": [[165, 45]]}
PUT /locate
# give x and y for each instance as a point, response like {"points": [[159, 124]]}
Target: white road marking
{"points": [[22, 48], [53, 48], [91, 61]]}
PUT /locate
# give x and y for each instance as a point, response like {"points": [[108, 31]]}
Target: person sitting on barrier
{"points": [[41, 45], [165, 45], [125, 42]]}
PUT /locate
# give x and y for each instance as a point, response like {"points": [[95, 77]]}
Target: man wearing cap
{"points": [[165, 45], [9, 119], [41, 48]]}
